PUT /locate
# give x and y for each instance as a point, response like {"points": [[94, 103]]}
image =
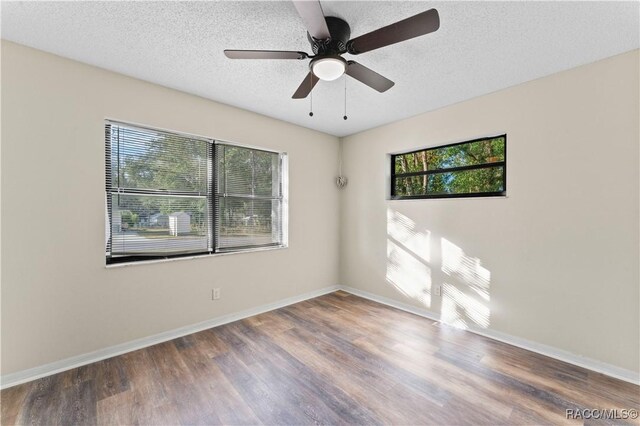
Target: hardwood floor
{"points": [[336, 359]]}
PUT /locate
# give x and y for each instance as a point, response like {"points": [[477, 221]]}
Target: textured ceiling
{"points": [[481, 47]]}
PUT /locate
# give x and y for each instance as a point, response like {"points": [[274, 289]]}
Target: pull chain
{"points": [[345, 97], [311, 95]]}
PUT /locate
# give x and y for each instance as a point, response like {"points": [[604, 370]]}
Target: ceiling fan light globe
{"points": [[329, 69]]}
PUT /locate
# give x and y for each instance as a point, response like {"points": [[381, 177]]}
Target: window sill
{"points": [[490, 197], [195, 256]]}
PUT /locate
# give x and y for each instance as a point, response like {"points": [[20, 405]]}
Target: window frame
{"points": [[502, 164], [211, 199]]}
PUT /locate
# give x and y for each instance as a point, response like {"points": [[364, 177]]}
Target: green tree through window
{"points": [[473, 168]]}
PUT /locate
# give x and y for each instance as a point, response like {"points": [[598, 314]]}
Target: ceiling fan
{"points": [[329, 38]]}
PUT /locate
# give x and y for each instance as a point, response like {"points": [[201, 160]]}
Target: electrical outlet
{"points": [[437, 290], [215, 294]]}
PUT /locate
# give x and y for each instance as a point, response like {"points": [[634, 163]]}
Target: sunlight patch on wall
{"points": [[457, 264], [459, 307], [465, 282], [407, 258], [403, 230], [410, 276]]}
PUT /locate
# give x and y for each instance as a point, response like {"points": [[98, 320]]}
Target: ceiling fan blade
{"points": [[420, 24], [313, 18], [306, 86], [264, 54], [369, 77]]}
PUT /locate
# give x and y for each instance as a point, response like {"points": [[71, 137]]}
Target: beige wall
{"points": [[58, 299], [557, 261]]}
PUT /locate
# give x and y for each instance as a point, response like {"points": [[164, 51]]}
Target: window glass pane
{"points": [[468, 154], [267, 173], [235, 171], [244, 171], [147, 159], [460, 155], [151, 224], [411, 186], [409, 163], [489, 179], [246, 222]]}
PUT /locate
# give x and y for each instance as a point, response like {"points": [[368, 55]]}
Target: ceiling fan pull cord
{"points": [[345, 97], [311, 97]]}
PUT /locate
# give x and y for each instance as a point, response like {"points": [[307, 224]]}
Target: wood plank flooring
{"points": [[335, 359]]}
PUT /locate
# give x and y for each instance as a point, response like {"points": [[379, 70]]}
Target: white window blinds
{"points": [[165, 199], [157, 192], [248, 198]]}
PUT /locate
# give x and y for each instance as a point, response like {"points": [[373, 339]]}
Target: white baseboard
{"points": [[19, 377], [550, 351], [23, 376]]}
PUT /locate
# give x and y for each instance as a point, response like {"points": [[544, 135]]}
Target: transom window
{"points": [[169, 194], [474, 168]]}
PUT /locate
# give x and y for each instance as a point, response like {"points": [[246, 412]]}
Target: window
{"points": [[475, 168], [248, 198], [173, 195]]}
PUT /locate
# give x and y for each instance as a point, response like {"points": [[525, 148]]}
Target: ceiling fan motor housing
{"points": [[337, 44]]}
